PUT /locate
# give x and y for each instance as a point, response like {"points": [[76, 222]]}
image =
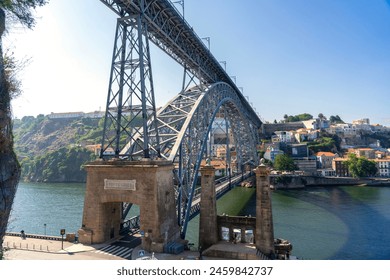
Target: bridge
{"points": [[178, 133]]}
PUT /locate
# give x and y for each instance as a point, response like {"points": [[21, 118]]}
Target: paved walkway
{"points": [[42, 249]]}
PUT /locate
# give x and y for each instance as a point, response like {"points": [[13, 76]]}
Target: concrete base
{"points": [[226, 250], [149, 184]]}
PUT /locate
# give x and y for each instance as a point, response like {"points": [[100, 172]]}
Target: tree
{"points": [[336, 119], [360, 166], [20, 11], [284, 163], [297, 118]]}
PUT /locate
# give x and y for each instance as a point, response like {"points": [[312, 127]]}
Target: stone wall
{"points": [[297, 181]]}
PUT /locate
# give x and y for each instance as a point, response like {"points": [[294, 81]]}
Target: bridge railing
{"points": [[221, 189], [131, 225]]}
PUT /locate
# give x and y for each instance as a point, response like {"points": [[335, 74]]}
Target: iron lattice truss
{"points": [[180, 131], [170, 32], [184, 125], [130, 101]]}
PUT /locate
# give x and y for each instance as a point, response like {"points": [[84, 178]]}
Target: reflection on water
{"points": [[334, 222]]}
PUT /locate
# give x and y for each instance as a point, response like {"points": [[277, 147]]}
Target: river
{"points": [[321, 222]]}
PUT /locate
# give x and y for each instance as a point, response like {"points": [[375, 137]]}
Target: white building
{"points": [[383, 166], [283, 136]]}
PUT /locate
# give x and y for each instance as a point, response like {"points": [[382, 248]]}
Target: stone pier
{"points": [[264, 237], [208, 228], [147, 183]]}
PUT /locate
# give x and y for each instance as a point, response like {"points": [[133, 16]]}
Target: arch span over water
{"points": [[184, 125]]}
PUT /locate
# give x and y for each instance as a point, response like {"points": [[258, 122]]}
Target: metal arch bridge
{"points": [[180, 130]]}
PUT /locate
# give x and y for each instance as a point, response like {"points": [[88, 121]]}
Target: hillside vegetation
{"points": [[53, 150]]}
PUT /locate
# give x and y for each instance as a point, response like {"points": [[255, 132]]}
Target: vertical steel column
{"points": [[143, 89], [130, 100], [228, 158]]}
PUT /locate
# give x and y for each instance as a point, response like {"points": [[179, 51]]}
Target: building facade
{"points": [[383, 166], [338, 165]]}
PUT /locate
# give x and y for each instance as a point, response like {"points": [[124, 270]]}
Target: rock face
{"points": [[9, 166], [9, 178]]}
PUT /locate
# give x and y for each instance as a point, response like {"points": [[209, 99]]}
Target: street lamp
{"points": [[44, 225], [62, 232], [181, 3], [224, 64], [208, 41]]}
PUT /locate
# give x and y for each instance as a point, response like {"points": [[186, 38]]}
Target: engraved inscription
{"points": [[119, 184]]}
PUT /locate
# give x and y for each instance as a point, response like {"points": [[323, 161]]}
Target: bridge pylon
{"points": [[130, 106], [147, 183]]}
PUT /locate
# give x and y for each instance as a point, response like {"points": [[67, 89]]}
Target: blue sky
{"points": [[289, 56]]}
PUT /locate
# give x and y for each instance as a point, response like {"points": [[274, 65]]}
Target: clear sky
{"points": [[289, 56]]}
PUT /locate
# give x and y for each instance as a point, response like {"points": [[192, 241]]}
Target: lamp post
{"points": [[208, 41], [44, 226], [224, 64], [62, 232], [181, 3]]}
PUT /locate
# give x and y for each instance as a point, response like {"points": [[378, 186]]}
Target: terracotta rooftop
{"points": [[327, 154]]}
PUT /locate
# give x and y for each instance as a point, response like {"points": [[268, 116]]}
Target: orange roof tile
{"points": [[327, 154]]}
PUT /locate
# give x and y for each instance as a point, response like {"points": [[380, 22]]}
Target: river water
{"points": [[321, 222]]}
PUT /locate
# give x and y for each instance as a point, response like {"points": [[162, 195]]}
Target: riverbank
{"points": [[299, 181]]}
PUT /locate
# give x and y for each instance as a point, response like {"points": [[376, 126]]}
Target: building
{"points": [[283, 136], [295, 150], [383, 166], [304, 135], [272, 152], [329, 172], [316, 124], [325, 159], [219, 165], [365, 152], [94, 148], [75, 115], [307, 164], [95, 115], [67, 115], [267, 129], [338, 165], [361, 121]]}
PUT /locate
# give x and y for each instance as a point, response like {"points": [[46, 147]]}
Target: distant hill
{"points": [[53, 150]]}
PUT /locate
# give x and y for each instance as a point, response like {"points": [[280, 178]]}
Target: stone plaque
{"points": [[119, 184]]}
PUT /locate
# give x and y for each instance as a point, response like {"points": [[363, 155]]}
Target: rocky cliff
{"points": [[54, 150]]}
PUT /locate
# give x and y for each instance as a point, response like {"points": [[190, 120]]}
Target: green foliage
{"points": [[297, 118], [336, 119], [22, 10], [51, 149], [63, 165], [284, 163], [324, 144], [360, 166]]}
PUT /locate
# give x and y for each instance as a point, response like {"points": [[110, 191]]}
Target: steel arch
{"points": [[184, 124]]}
